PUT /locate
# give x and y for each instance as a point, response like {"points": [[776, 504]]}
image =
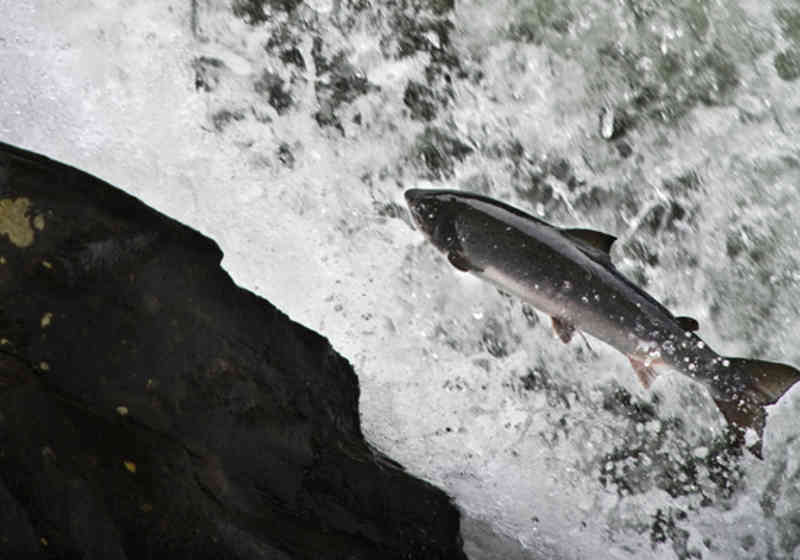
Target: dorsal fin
{"points": [[595, 239], [689, 324]]}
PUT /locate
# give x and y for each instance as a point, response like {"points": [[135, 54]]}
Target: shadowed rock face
{"points": [[151, 408]]}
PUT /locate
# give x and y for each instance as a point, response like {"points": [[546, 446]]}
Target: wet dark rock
{"points": [[683, 184], [734, 244], [282, 36], [206, 72], [356, 5], [622, 403], [624, 149], [560, 169], [150, 408], [534, 381], [536, 21], [705, 73], [420, 100], [283, 42], [530, 315], [713, 79], [253, 11], [664, 217], [789, 21], [787, 64], [345, 83], [390, 210], [539, 191], [338, 83], [748, 542], [438, 151], [426, 28], [718, 77], [623, 122], [513, 149], [413, 35], [540, 380], [641, 252], [438, 7], [653, 454], [665, 528], [494, 339], [272, 86], [285, 155], [321, 64], [223, 118], [326, 117], [574, 183], [646, 96], [293, 56], [592, 199]]}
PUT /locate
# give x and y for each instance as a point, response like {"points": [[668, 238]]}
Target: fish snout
{"points": [[435, 214], [412, 195], [419, 208]]}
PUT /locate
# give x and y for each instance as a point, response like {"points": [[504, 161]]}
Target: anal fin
{"points": [[563, 328], [644, 371]]}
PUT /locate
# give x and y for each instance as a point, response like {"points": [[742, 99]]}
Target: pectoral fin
{"points": [[689, 324], [644, 372], [563, 328]]}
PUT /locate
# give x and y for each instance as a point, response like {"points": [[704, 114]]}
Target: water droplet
{"points": [[607, 122]]}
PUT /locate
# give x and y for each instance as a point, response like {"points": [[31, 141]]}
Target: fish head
{"points": [[435, 212]]}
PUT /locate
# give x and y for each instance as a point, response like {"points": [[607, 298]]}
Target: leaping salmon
{"points": [[568, 274]]}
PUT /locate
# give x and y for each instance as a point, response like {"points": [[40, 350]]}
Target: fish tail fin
{"points": [[752, 384]]}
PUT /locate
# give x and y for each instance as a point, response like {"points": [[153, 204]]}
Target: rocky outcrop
{"points": [[151, 408]]}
